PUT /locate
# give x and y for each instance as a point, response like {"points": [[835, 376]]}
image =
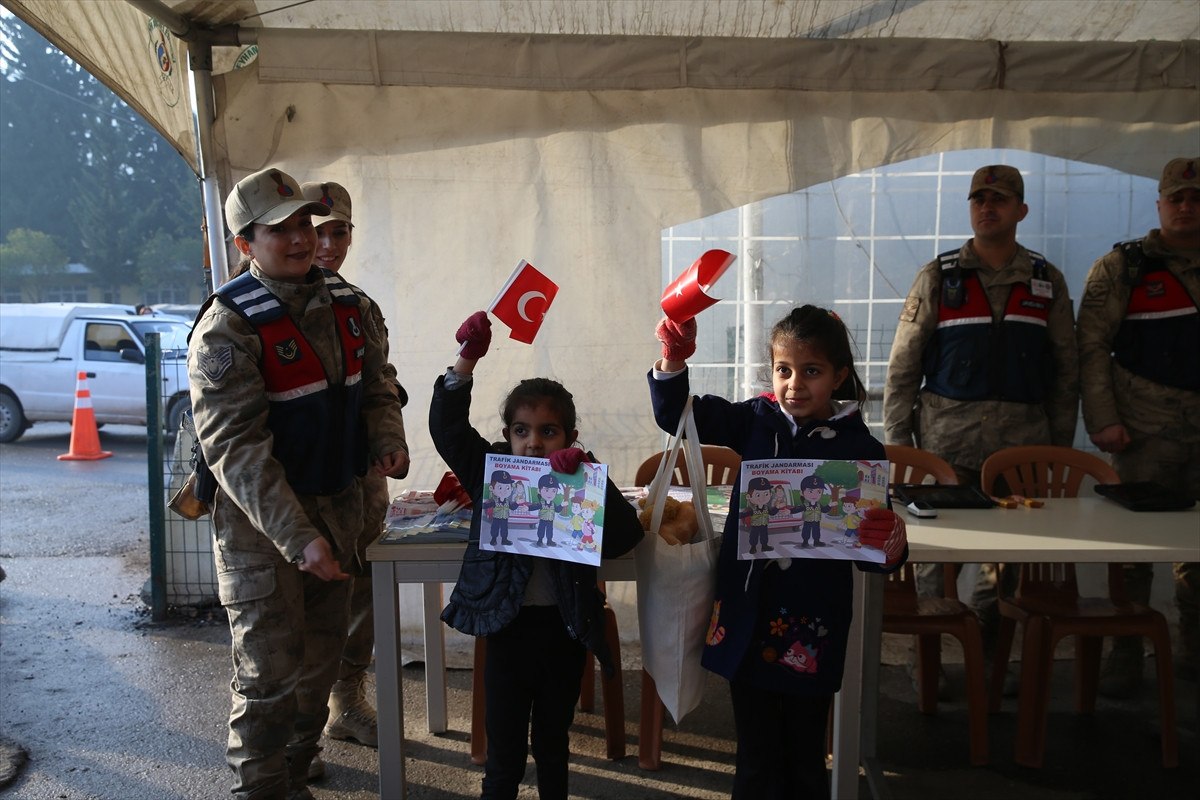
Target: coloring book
{"points": [[530, 509], [809, 508]]}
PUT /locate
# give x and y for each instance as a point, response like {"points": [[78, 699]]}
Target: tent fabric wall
{"points": [[823, 45], [473, 134], [454, 185], [574, 63]]}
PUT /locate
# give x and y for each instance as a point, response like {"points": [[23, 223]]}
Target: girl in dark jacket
{"points": [[779, 627], [539, 615]]}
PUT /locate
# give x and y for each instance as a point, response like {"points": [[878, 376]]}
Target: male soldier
{"points": [[1139, 359], [290, 404], [984, 355], [351, 715]]}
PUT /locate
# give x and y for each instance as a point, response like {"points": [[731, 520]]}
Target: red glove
{"points": [[678, 338], [567, 460], [884, 530], [475, 334]]}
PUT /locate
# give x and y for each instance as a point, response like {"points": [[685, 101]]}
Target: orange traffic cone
{"points": [[85, 438]]}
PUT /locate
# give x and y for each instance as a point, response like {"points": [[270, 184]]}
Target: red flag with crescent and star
{"points": [[523, 301]]}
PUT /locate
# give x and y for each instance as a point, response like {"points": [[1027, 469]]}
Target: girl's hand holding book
{"points": [[884, 530], [567, 460]]}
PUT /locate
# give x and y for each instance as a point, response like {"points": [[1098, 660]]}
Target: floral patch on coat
{"points": [[794, 642]]}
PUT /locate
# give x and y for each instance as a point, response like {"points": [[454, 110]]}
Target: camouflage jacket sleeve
{"points": [[1062, 404], [229, 404], [382, 392], [918, 320], [1101, 310]]}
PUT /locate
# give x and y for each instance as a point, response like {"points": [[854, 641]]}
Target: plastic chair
{"points": [[612, 689], [721, 468], [1048, 604], [928, 618]]}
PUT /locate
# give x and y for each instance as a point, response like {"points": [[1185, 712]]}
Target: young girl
{"points": [[779, 627], [539, 615]]}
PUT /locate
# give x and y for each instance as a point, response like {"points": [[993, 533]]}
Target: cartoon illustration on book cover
{"points": [[809, 508], [530, 509], [547, 506]]}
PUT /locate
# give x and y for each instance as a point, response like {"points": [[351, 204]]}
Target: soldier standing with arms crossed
{"points": [[984, 356], [1139, 358]]}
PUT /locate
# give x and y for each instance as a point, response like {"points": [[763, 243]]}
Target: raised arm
{"points": [[678, 343]]}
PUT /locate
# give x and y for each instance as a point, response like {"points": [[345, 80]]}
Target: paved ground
{"points": [[111, 706]]}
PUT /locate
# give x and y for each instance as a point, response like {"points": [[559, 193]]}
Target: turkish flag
{"points": [[687, 295], [523, 301]]}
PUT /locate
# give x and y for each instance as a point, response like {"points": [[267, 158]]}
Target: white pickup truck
{"points": [[43, 347]]}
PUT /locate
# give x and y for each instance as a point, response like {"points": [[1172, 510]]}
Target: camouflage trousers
{"points": [[1174, 463], [360, 642], [288, 628], [991, 580]]}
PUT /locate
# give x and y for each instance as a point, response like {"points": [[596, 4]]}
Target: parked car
{"points": [[43, 347]]}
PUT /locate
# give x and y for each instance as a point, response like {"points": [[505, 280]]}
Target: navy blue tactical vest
{"points": [[317, 426], [972, 356], [1159, 338]]}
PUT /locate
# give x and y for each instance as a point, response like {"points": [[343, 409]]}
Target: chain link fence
{"points": [[191, 578]]}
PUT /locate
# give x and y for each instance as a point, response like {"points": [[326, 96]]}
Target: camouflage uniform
{"points": [[1163, 422], [966, 432], [288, 626], [360, 640]]}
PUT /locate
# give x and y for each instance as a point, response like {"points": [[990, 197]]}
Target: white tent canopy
{"points": [[571, 132]]}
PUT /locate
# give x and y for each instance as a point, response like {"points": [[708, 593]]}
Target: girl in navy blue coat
{"points": [[779, 627]]}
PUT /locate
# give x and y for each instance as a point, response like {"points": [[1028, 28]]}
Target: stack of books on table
{"points": [[415, 517]]}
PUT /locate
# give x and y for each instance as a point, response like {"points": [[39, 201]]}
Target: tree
{"points": [[28, 258], [92, 173], [165, 259], [37, 107], [838, 475], [174, 252]]}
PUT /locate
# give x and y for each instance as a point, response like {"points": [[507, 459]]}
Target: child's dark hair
{"points": [[824, 331], [534, 391]]}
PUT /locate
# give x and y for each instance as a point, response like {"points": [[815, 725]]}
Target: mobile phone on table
{"points": [[922, 509]]}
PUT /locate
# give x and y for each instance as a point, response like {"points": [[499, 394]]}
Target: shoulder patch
{"points": [[1094, 294], [288, 352], [911, 306], [215, 363]]}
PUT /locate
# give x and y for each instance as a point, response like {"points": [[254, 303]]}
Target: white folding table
{"points": [[1081, 530]]}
